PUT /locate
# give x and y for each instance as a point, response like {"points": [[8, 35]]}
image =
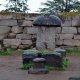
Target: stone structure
{"points": [[46, 38], [47, 25], [17, 31]]}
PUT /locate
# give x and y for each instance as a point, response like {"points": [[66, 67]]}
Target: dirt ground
{"points": [[10, 70]]}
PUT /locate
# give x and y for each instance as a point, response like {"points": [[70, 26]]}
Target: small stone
{"points": [[41, 60]]}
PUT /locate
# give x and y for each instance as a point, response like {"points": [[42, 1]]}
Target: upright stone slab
{"points": [[46, 38]]}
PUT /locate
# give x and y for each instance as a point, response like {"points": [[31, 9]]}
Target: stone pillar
{"points": [[46, 38]]}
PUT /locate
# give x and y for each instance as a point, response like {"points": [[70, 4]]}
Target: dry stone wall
{"points": [[17, 31]]}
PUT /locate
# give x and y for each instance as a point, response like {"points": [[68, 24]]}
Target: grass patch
{"points": [[6, 52], [27, 66], [73, 51]]}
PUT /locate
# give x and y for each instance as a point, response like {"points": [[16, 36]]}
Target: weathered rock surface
{"points": [[69, 30], [23, 36], [72, 42], [2, 36], [30, 30], [58, 30], [66, 36], [67, 23], [16, 29], [27, 23], [46, 38], [11, 35], [29, 42], [4, 29], [78, 30], [77, 37], [8, 22], [12, 42], [24, 46], [59, 41]]}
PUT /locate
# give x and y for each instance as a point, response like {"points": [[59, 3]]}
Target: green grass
{"points": [[73, 51], [6, 52], [27, 66]]}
